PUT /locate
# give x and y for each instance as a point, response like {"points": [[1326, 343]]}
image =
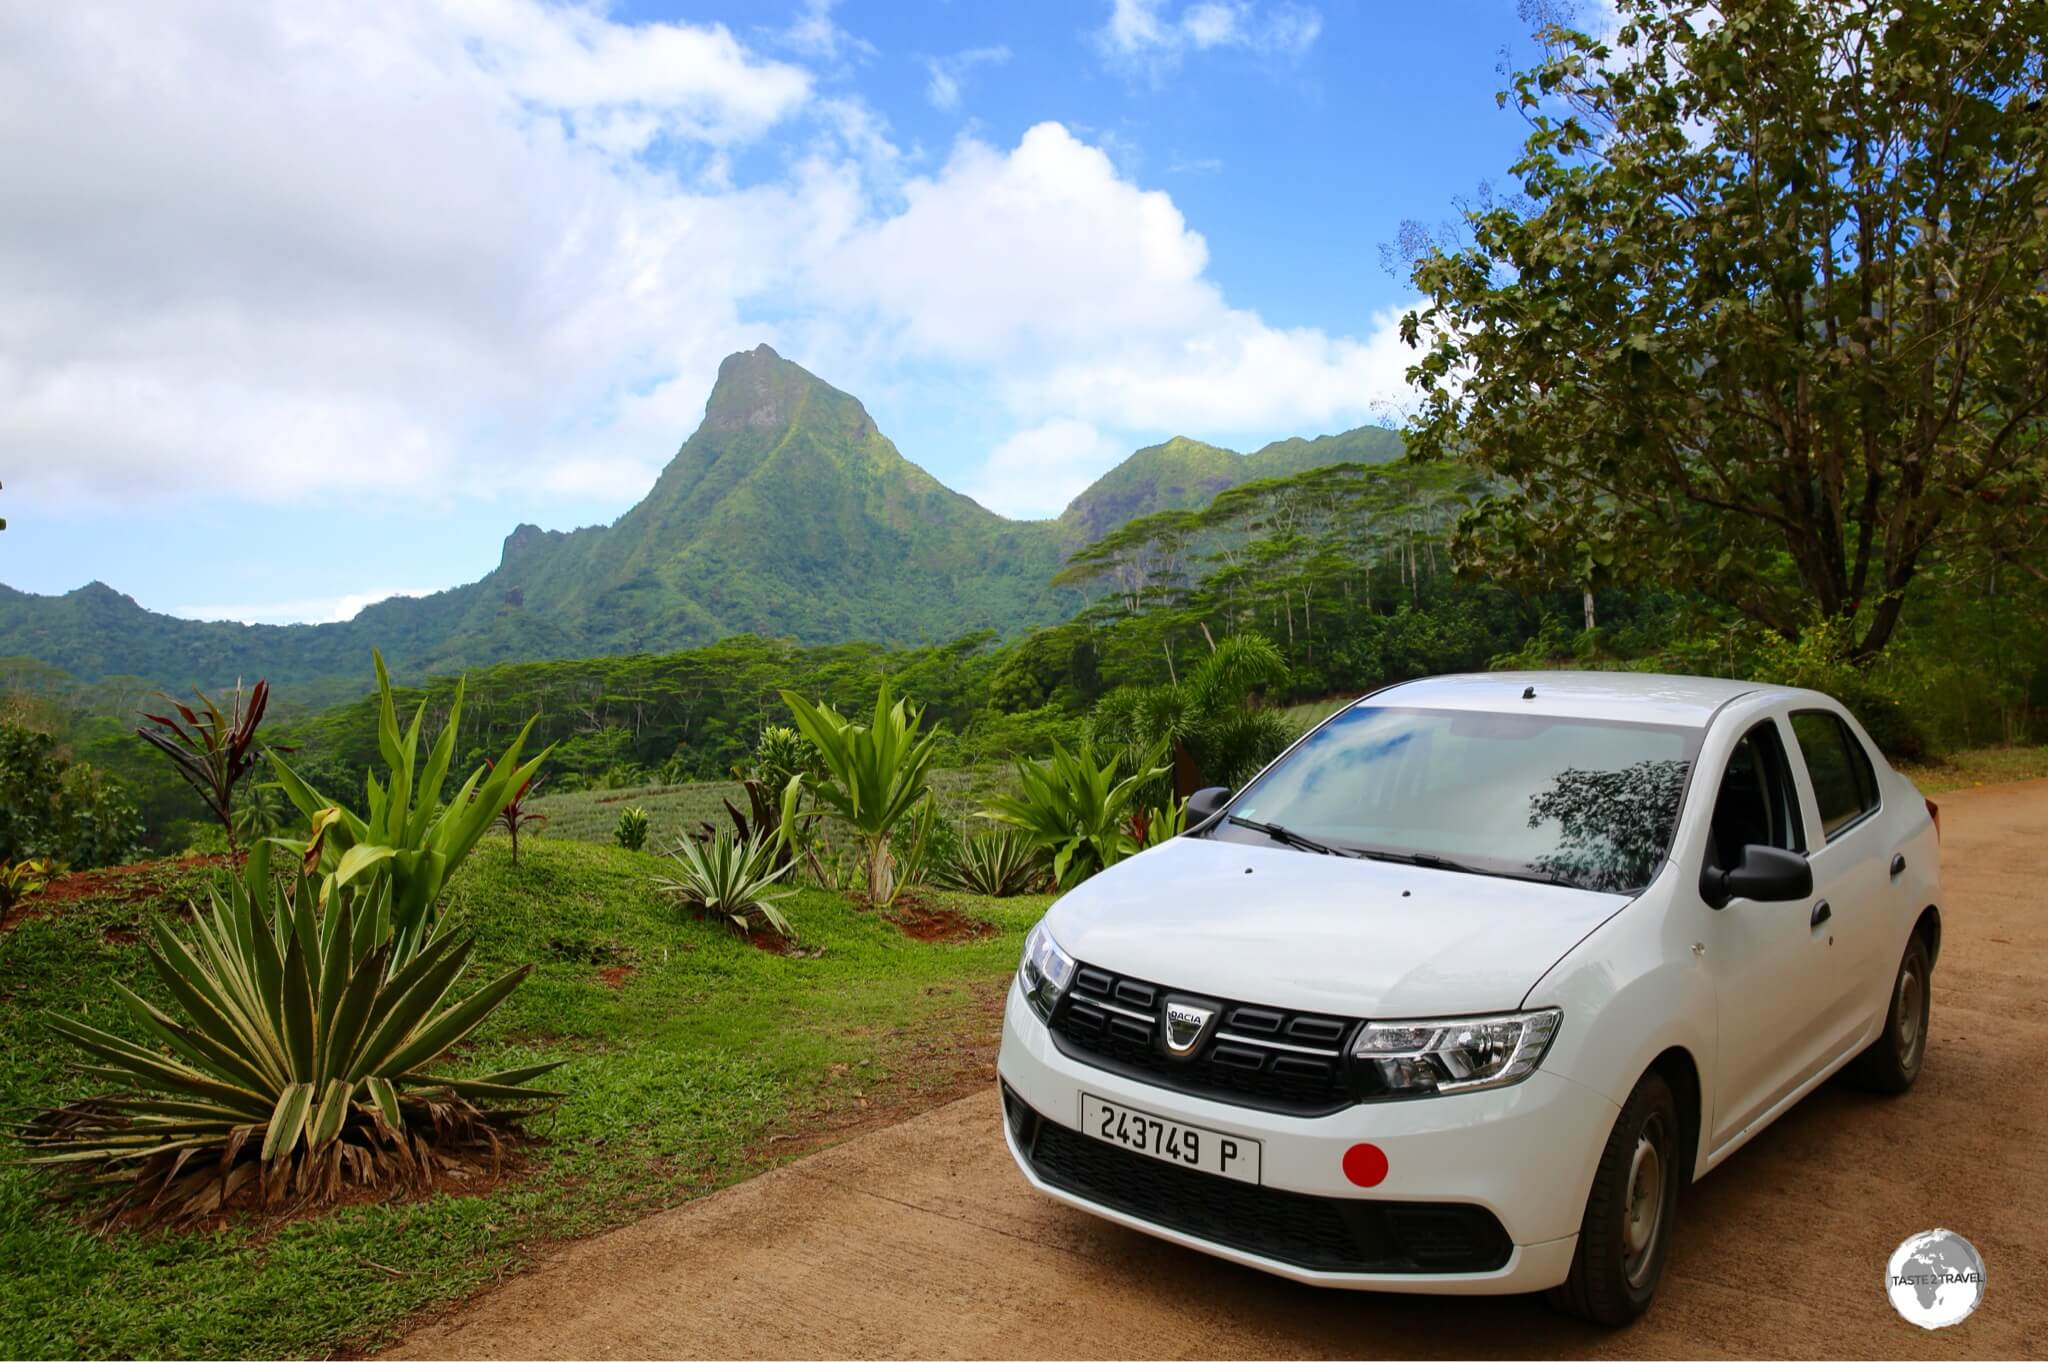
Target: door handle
{"points": [[1898, 864], [1821, 913]]}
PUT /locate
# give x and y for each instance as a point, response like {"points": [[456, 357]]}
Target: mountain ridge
{"points": [[786, 513]]}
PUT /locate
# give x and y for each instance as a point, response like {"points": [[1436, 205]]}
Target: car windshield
{"points": [[1584, 802]]}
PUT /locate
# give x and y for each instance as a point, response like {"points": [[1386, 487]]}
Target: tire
{"points": [[1626, 1232], [1892, 1061]]}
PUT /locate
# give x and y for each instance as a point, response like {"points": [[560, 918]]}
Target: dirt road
{"points": [[921, 1240]]}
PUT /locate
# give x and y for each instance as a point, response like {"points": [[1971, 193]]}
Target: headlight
{"points": [[1045, 972], [1460, 1054]]}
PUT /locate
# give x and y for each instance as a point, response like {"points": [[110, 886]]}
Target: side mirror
{"points": [[1767, 874], [1203, 804]]}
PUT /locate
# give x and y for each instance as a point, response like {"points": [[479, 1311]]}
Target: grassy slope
{"points": [[672, 810], [709, 1047]]}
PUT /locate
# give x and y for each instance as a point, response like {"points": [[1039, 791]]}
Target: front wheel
{"points": [[1629, 1213], [1893, 1060]]}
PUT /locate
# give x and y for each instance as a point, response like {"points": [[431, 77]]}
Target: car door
{"points": [[1765, 957], [1850, 857]]}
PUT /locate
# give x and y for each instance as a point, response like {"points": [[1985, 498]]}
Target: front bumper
{"points": [[1525, 1154]]}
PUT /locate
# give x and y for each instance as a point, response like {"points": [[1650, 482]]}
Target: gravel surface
{"points": [[921, 1240]]}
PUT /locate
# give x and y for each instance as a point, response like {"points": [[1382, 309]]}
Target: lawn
{"points": [[672, 810], [696, 1059]]}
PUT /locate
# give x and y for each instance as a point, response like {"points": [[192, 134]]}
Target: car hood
{"points": [[1318, 933]]}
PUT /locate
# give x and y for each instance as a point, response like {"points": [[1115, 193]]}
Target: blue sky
{"points": [[313, 304]]}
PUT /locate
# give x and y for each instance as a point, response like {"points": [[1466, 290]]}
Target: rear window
{"points": [[1844, 782]]}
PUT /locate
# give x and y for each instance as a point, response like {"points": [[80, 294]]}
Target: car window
{"points": [[1755, 805], [1588, 802], [1844, 782]]}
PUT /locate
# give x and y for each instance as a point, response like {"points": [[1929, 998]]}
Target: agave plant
{"points": [[1074, 807], [411, 837], [631, 832], [728, 878], [299, 1058], [875, 772], [212, 751], [995, 863], [515, 815]]}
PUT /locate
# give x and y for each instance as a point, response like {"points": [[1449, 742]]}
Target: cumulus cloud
{"points": [[313, 610], [1034, 473], [1149, 36], [445, 247], [942, 89]]}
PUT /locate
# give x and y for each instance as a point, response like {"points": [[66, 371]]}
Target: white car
{"points": [[1459, 991]]}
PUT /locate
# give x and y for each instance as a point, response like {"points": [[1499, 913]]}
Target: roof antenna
{"points": [[1528, 692]]}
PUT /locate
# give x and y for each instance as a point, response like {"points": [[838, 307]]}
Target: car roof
{"points": [[1638, 697]]}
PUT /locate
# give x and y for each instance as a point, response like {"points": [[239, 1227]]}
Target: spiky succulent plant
{"points": [[297, 1058]]}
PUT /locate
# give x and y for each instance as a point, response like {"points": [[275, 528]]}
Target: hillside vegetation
{"points": [[695, 1059], [787, 514]]}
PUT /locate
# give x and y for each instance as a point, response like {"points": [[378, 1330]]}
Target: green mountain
{"points": [[1183, 474], [787, 514]]}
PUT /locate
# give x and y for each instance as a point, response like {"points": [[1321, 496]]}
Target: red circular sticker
{"points": [[1365, 1164]]}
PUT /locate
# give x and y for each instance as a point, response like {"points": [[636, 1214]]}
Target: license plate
{"points": [[1230, 1156]]}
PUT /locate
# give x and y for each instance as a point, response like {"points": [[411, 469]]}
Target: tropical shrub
{"points": [[1149, 827], [97, 820], [780, 753], [21, 879], [299, 1057], [58, 810], [1207, 721], [211, 751], [995, 863], [515, 815], [920, 844], [410, 838], [631, 833], [1074, 808], [727, 877], [875, 773]]}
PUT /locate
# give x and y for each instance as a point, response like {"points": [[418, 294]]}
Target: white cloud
{"points": [[439, 249], [1144, 36], [942, 89], [315, 610], [815, 33], [1087, 296], [1034, 473]]}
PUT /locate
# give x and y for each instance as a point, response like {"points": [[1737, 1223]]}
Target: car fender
{"points": [[1634, 988]]}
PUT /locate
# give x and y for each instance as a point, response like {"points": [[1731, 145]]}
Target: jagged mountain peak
{"points": [[759, 390]]}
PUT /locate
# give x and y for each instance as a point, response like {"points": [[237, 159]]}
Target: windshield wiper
{"points": [[1289, 837], [1428, 859], [1431, 861]]}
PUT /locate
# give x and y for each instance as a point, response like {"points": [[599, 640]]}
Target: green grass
{"points": [[675, 1080], [1980, 766], [672, 810]]}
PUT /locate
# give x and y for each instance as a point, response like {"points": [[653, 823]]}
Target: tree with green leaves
{"points": [[878, 772], [1207, 721], [1767, 319]]}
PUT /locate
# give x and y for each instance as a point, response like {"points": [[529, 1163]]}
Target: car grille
{"points": [[1264, 1057], [1322, 1234]]}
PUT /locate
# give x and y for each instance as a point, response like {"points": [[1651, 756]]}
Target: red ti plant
{"points": [[212, 750], [515, 815]]}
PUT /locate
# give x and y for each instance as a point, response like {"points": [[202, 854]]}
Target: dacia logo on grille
{"points": [[1185, 1024]]}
